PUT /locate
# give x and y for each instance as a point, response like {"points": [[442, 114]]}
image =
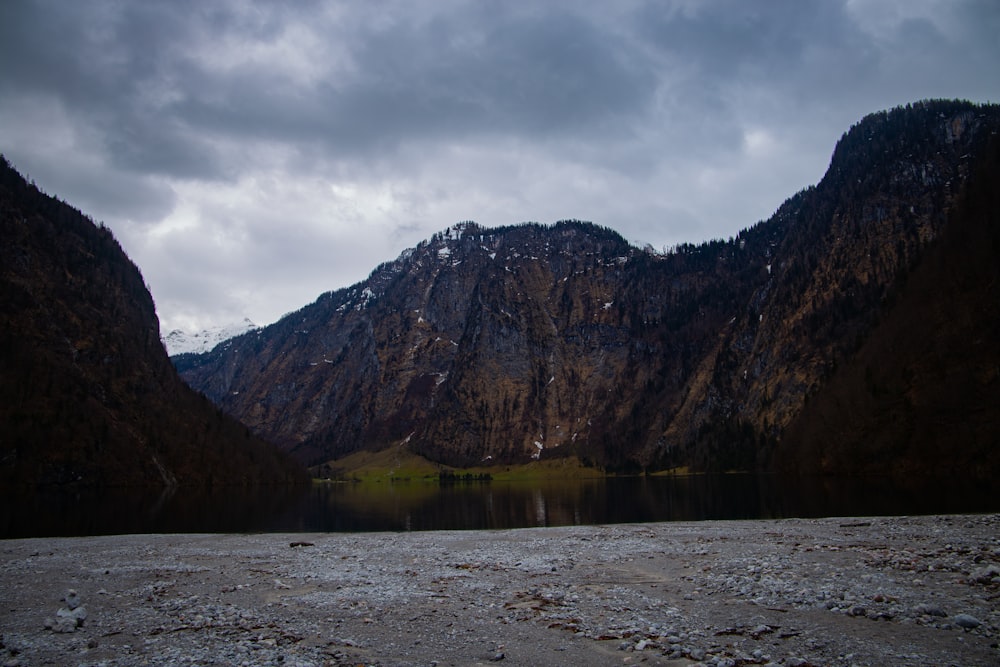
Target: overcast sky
{"points": [[251, 155]]}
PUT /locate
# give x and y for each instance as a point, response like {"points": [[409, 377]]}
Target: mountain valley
{"points": [[848, 333]]}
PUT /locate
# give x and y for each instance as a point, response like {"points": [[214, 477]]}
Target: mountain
{"points": [[922, 389], [87, 392], [181, 342], [533, 341]]}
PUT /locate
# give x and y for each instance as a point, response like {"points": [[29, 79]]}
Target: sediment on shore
{"points": [[866, 591]]}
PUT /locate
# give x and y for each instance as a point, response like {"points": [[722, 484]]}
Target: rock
{"points": [[70, 617], [857, 610], [62, 624], [78, 615], [928, 609], [985, 575], [697, 654], [967, 621], [72, 599]]}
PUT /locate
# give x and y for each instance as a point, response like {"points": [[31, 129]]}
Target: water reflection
{"points": [[60, 512], [480, 505]]}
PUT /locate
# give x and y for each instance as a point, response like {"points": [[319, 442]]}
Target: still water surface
{"points": [[484, 505]]}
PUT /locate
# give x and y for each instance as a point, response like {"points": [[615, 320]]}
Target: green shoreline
{"points": [[398, 465]]}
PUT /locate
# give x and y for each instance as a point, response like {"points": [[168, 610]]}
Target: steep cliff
{"points": [[534, 341], [841, 253], [87, 393], [922, 393]]}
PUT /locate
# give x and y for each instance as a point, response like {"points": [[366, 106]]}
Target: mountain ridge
{"points": [[532, 341], [87, 393], [178, 341]]}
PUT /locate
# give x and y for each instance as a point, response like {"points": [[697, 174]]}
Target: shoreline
{"points": [[836, 591]]}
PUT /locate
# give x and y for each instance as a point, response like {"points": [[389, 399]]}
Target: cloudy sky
{"points": [[251, 155]]}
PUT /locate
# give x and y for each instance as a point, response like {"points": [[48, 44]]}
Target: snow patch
{"points": [[181, 342], [366, 296]]}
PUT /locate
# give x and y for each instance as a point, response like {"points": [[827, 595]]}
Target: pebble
{"points": [[967, 621], [985, 575], [929, 610], [261, 613]]}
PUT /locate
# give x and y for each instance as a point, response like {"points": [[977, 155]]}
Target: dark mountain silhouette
{"points": [[87, 393], [777, 348], [922, 392]]}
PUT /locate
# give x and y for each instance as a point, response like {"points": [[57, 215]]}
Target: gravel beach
{"points": [[849, 591]]}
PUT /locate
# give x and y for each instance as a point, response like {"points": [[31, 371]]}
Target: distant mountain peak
{"points": [[179, 341]]}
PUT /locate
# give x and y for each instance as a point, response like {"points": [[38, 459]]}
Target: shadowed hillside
{"points": [[87, 393], [922, 394]]}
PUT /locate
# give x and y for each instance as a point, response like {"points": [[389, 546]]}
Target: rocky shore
{"points": [[871, 591]]}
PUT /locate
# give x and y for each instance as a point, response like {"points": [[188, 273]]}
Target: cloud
{"points": [[251, 155]]}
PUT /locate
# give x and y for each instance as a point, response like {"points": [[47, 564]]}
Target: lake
{"points": [[420, 505]]}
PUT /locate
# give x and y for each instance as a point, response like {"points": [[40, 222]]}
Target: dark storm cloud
{"points": [[135, 74], [106, 69], [722, 53], [542, 74], [461, 74], [725, 41], [232, 139]]}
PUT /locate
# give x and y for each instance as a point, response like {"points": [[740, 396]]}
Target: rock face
{"points": [[87, 393], [533, 341]]}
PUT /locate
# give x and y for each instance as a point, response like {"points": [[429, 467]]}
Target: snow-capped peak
{"points": [[181, 342]]}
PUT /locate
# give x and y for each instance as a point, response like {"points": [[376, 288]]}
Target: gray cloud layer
{"points": [[251, 155]]}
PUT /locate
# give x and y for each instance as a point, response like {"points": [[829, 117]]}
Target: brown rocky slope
{"points": [[531, 341]]}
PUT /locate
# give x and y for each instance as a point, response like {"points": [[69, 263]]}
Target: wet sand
{"points": [[871, 591]]}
